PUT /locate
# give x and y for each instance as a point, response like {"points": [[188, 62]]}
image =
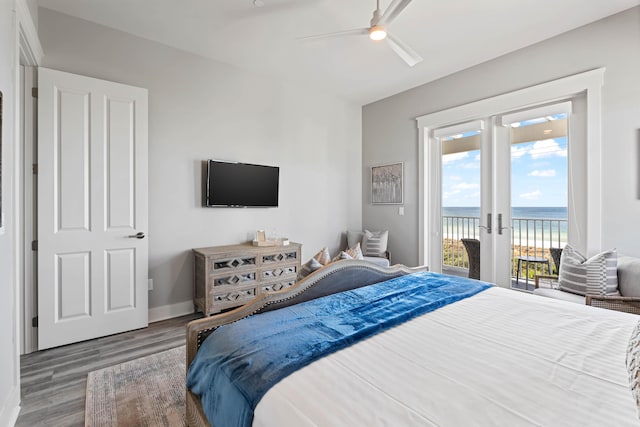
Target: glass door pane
{"points": [[539, 188], [461, 204]]}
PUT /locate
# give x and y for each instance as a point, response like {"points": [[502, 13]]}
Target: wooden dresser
{"points": [[229, 276]]}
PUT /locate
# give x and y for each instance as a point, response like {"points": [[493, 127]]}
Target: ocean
{"points": [[534, 226], [516, 212]]}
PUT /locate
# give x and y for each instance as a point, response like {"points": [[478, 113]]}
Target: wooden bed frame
{"points": [[336, 277]]}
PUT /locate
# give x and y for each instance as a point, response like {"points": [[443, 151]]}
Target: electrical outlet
{"points": [[150, 284]]}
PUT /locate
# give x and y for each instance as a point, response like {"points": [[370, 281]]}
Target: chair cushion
{"points": [[629, 276], [383, 262], [374, 243], [558, 294], [594, 276]]}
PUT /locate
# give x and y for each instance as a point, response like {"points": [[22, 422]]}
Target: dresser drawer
{"points": [[229, 276]]}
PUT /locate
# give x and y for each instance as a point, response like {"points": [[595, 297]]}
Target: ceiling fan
{"points": [[377, 31]]}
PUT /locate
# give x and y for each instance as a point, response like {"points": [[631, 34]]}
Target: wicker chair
{"points": [[550, 279], [556, 253], [628, 286], [472, 247]]}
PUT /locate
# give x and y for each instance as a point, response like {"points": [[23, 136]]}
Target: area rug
{"points": [[149, 391]]}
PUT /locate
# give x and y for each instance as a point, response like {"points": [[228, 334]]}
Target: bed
{"points": [[486, 357]]}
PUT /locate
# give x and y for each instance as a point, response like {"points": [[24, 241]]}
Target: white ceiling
{"points": [[450, 35]]}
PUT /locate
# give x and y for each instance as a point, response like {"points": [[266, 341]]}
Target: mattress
{"points": [[500, 358]]}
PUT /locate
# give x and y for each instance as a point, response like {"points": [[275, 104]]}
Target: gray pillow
{"points": [[594, 276], [354, 237], [374, 243], [308, 268]]}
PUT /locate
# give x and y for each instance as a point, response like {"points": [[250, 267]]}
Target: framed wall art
{"points": [[386, 184]]}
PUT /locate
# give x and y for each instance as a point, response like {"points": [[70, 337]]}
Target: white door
{"points": [[92, 208]]}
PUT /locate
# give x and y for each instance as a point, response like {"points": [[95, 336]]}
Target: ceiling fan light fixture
{"points": [[377, 33]]}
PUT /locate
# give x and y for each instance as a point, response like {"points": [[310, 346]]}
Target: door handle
{"points": [[488, 226], [500, 227], [139, 235]]}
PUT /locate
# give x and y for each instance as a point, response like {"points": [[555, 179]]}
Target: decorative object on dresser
{"points": [[229, 276]]}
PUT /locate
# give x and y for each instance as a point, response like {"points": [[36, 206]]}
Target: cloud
{"points": [[543, 173], [449, 194], [465, 186], [517, 152], [534, 195], [547, 148], [454, 157]]}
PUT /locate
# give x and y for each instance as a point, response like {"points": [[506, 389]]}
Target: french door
{"points": [[499, 195]]}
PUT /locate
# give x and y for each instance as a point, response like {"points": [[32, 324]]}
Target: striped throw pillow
{"points": [[341, 255], [323, 257], [374, 243], [355, 252], [597, 275]]}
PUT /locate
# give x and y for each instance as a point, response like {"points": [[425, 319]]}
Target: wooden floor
{"points": [[54, 381]]}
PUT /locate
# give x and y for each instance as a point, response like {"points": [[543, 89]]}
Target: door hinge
{"points": [[34, 92], [34, 245], [34, 322], [34, 168]]}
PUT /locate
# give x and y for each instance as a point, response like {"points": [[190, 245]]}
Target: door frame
{"points": [[29, 52], [589, 222]]}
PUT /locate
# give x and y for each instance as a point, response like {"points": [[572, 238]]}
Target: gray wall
{"points": [[390, 133], [200, 109], [9, 363]]}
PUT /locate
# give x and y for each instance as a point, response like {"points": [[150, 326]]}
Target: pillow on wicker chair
{"points": [[594, 276], [374, 243]]}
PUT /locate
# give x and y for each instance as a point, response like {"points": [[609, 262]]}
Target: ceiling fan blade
{"points": [[409, 55], [356, 32], [394, 9]]}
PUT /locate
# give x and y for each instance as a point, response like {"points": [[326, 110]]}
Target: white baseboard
{"points": [[170, 311], [10, 411]]}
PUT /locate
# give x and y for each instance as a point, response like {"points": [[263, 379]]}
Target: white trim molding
{"points": [[588, 83], [30, 47], [11, 409], [170, 311]]}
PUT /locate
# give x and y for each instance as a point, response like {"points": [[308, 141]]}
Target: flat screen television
{"points": [[241, 185]]}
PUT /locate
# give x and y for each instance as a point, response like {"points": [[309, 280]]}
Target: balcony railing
{"points": [[530, 237]]}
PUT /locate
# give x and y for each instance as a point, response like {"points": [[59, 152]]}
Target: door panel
{"points": [[73, 290], [71, 159], [92, 180]]}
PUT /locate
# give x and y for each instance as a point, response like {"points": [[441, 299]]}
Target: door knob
{"points": [[488, 226], [139, 235]]}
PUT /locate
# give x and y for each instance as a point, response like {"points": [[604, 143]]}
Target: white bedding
{"points": [[500, 358]]}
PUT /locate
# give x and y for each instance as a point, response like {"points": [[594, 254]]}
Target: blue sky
{"points": [[538, 175]]}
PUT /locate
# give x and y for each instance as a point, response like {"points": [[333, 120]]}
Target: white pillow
{"points": [[597, 275], [374, 243]]}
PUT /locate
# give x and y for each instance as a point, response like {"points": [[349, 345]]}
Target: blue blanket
{"points": [[239, 362]]}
